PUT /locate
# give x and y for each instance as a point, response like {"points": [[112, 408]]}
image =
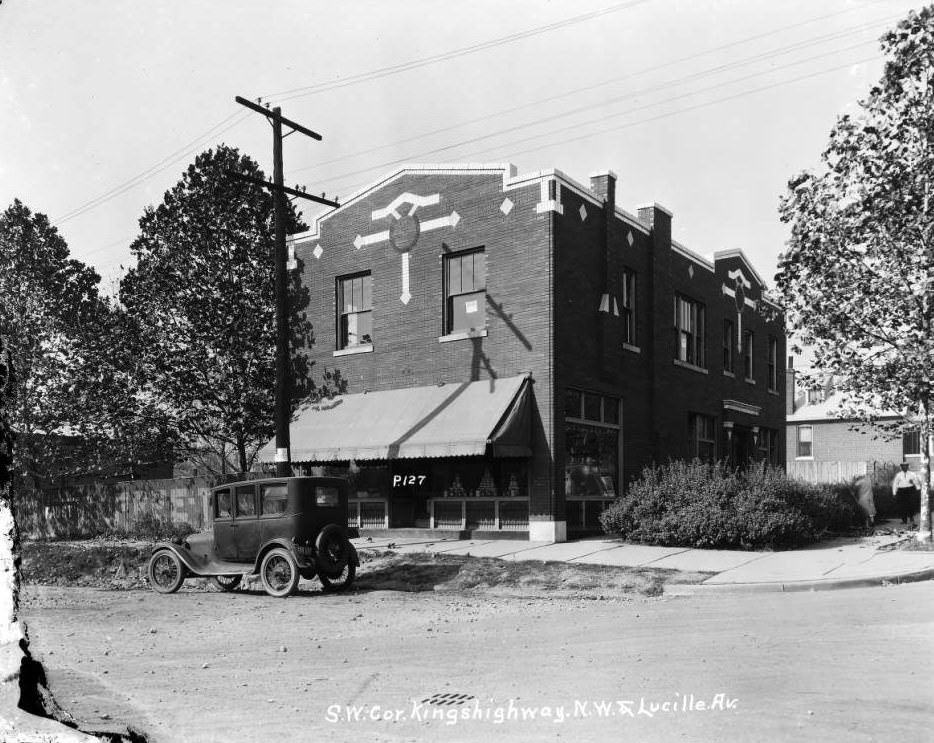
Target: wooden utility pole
{"points": [[283, 356]]}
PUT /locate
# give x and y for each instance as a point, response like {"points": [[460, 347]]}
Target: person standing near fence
{"points": [[907, 491]]}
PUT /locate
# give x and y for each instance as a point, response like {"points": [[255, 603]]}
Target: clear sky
{"points": [[704, 106]]}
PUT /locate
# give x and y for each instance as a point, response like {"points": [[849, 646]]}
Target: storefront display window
{"points": [[591, 460]]}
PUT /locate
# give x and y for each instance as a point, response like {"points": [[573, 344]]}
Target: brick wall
{"points": [[835, 441], [554, 239], [406, 348]]}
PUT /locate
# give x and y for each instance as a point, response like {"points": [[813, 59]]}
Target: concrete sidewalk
{"points": [[839, 563]]}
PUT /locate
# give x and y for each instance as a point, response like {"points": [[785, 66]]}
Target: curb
{"points": [[828, 584]]}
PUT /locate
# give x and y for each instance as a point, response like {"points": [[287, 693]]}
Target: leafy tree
{"points": [[858, 275], [50, 303], [202, 299], [6, 435]]}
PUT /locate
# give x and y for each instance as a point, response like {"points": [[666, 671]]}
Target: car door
{"points": [[247, 531], [274, 511], [224, 527]]}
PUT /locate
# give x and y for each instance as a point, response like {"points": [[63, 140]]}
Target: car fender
{"points": [[183, 554], [303, 561]]}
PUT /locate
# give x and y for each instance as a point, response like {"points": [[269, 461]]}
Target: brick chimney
{"points": [[603, 184]]}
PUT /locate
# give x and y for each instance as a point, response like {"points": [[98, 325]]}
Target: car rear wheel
{"points": [[226, 582], [342, 582], [332, 550], [279, 572], [166, 572]]}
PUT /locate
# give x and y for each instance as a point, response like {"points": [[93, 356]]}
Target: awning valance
{"points": [[448, 420]]}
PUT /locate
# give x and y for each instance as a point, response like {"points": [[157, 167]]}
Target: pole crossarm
{"points": [[275, 116], [284, 189]]}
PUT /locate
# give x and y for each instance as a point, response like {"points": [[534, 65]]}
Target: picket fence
{"points": [[828, 472]]}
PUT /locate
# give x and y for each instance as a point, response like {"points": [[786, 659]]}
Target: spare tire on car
{"points": [[333, 551]]}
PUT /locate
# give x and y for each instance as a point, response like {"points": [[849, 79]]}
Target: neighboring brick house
{"points": [[822, 446], [516, 348]]}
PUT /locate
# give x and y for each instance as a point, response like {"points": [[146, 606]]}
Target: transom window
{"points": [[589, 406], [355, 302], [465, 291], [689, 325], [629, 307]]}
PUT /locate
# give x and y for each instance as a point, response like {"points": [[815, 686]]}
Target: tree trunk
{"points": [[241, 452], [924, 518]]}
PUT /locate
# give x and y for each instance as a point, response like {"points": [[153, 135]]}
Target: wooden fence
{"points": [[827, 472], [139, 506]]}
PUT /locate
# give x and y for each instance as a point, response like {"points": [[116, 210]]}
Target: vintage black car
{"points": [[282, 529]]}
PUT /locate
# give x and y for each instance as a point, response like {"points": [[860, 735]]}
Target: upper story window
{"points": [[465, 291], [747, 354], [805, 441], [773, 363], [728, 346], [911, 444], [629, 307], [689, 325], [355, 304]]}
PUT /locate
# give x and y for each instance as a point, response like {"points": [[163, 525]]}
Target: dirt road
{"points": [[198, 666]]}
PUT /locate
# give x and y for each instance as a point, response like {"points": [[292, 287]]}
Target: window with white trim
{"points": [[465, 291], [805, 441], [355, 310], [911, 444], [689, 326]]}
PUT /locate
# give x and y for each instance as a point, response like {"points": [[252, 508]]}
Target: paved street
{"points": [[849, 665]]}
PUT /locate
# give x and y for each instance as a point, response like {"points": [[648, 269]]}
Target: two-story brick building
{"points": [[516, 348]]}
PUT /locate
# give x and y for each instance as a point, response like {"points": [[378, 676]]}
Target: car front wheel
{"points": [[279, 572], [166, 572], [332, 584]]}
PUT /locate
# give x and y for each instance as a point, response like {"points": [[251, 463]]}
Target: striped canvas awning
{"points": [[447, 420]]}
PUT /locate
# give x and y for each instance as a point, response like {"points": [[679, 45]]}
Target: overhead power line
{"points": [[414, 157], [187, 150], [761, 57], [286, 95], [233, 120], [163, 164]]}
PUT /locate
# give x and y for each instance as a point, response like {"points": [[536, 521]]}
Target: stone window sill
{"points": [[368, 348]]}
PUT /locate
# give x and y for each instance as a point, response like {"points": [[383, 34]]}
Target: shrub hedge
{"points": [[694, 504]]}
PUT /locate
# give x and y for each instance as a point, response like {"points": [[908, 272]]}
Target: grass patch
{"points": [[425, 571]]}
